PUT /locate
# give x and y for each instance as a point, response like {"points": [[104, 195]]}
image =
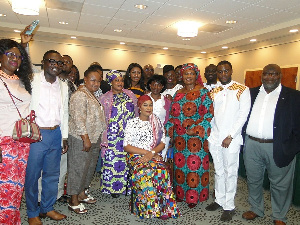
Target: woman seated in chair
{"points": [[144, 140]]}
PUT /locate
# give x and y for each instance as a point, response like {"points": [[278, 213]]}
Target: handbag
{"points": [[25, 130]]}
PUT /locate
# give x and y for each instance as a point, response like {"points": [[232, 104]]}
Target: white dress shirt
{"points": [[261, 120], [211, 86], [231, 107], [172, 91], [48, 114]]}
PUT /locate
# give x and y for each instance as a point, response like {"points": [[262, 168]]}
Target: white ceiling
{"points": [[95, 20]]}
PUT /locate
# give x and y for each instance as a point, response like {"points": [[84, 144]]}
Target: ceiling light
{"points": [[203, 52], [186, 39], [231, 21], [224, 47], [140, 6], [17, 31], [293, 30], [117, 30], [28, 7], [165, 48], [253, 40], [73, 37], [122, 43], [63, 23], [187, 29], [2, 15]]}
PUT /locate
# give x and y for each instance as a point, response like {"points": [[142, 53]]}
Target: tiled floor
{"points": [[110, 211]]}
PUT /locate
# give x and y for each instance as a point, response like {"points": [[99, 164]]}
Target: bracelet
{"points": [[153, 152]]}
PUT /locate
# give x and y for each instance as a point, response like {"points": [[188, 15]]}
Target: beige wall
{"points": [[83, 55], [284, 55]]}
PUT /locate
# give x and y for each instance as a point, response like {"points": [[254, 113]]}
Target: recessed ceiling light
{"points": [[203, 52], [165, 48], [17, 31], [139, 6], [2, 14], [186, 39], [117, 30], [63, 23], [253, 40], [73, 37], [293, 30], [224, 47], [122, 43], [231, 21]]}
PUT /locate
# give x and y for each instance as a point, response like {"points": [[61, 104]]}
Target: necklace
{"points": [[12, 77], [189, 89]]}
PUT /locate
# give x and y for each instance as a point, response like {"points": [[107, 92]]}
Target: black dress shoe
{"points": [[227, 215], [213, 207], [115, 195]]}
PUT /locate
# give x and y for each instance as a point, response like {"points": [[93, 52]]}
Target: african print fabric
{"points": [[152, 189], [191, 160], [12, 178], [137, 91], [114, 170]]}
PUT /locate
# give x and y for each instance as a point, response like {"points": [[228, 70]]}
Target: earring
{"points": [[17, 69]]}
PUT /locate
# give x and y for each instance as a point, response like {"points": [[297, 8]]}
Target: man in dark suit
{"points": [[272, 141]]}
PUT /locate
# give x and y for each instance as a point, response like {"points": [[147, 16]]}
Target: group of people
{"points": [[125, 126]]}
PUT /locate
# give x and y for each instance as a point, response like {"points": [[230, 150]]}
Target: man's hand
{"points": [[226, 142], [65, 146]]}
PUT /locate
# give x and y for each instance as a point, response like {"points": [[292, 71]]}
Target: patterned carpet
{"points": [[110, 211]]}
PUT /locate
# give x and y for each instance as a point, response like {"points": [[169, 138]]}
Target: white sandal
{"points": [[74, 208], [89, 200]]}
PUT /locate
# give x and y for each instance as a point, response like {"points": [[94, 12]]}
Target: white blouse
{"points": [[138, 133], [158, 108]]}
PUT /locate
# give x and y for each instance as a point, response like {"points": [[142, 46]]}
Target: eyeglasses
{"points": [[274, 74], [148, 69], [12, 55], [53, 61]]}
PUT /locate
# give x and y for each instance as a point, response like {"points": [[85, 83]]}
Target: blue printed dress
{"points": [[114, 169]]}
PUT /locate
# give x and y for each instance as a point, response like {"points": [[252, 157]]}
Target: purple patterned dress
{"points": [[114, 169]]}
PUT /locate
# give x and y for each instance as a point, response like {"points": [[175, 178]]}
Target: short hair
{"points": [[178, 67], [89, 70], [168, 68], [159, 79], [69, 57], [225, 62], [210, 65], [50, 52], [76, 82], [96, 66]]}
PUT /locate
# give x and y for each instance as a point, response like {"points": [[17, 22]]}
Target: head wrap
{"points": [[111, 75], [193, 67], [142, 99], [168, 68]]}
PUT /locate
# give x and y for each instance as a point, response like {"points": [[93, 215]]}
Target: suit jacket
{"points": [[34, 105], [286, 126]]}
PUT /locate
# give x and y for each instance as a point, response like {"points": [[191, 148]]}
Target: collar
{"points": [[43, 79], [276, 90], [227, 85]]}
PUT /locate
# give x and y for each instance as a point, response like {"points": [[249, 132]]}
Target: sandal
{"points": [[89, 200], [75, 208]]}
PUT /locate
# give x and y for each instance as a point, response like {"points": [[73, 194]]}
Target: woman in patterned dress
{"points": [[144, 140], [15, 71], [189, 127], [134, 79], [120, 105]]}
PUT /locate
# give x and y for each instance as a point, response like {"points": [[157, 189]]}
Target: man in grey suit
{"points": [[272, 141]]}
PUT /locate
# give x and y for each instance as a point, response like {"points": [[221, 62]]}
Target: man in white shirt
{"points": [[211, 77], [271, 143], [231, 108], [50, 102]]}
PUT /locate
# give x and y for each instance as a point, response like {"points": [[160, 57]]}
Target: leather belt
{"points": [[261, 140], [49, 128]]}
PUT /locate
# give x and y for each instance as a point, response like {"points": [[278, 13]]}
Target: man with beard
{"points": [[272, 141], [50, 103]]}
